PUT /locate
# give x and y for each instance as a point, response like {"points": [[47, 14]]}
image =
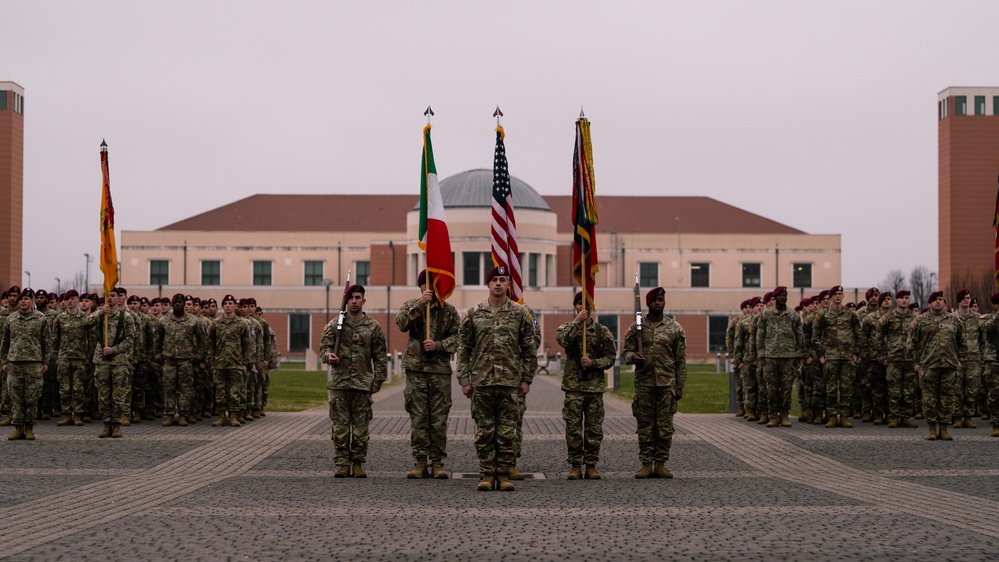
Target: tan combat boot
{"points": [[342, 472], [248, 414], [784, 420], [892, 423], [932, 435], [66, 420], [515, 474], [358, 470], [645, 471], [661, 472], [906, 422], [944, 436], [806, 415], [437, 471], [832, 422], [762, 418], [219, 422], [126, 419], [106, 431], [741, 412], [17, 434], [819, 418], [486, 483], [239, 416], [170, 420], [504, 483], [233, 421], [845, 422], [958, 423], [774, 421], [182, 421], [591, 472], [28, 433], [116, 431], [750, 414], [576, 473], [995, 431], [879, 420], [6, 420], [77, 420], [419, 469], [968, 423]]}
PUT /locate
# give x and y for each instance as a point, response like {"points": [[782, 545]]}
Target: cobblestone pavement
{"points": [[266, 491]]}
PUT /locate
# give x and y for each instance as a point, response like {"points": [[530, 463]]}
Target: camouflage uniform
{"points": [[873, 355], [73, 347], [816, 382], [4, 396], [836, 333], [136, 380], [111, 372], [781, 343], [428, 375], [496, 353], [49, 400], [900, 376], [204, 384], [583, 408], [266, 359], [744, 352], [969, 374], [25, 346], [154, 394], [935, 342], [252, 381], [990, 374], [228, 355], [665, 347], [361, 371], [733, 326], [180, 341]]}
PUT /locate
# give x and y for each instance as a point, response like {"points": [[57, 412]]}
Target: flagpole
{"points": [[429, 113]]}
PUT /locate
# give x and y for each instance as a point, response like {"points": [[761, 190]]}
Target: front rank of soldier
{"points": [[836, 333], [428, 376], [496, 364], [228, 356], [935, 343], [358, 369], [660, 375], [112, 361], [781, 344], [180, 342], [71, 344], [583, 383], [25, 351]]}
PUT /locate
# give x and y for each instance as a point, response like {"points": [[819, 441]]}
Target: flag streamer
{"points": [[109, 254]]}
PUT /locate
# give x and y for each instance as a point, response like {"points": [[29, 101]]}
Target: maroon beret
{"points": [[87, 296], [962, 293], [779, 289], [754, 301], [767, 297], [253, 301], [578, 298], [133, 298], [805, 302], [26, 292], [902, 293], [71, 293], [934, 296], [744, 304], [40, 293], [798, 308], [995, 298], [421, 279], [883, 297], [211, 301], [13, 289], [823, 294], [355, 288], [653, 295], [836, 289], [495, 272], [870, 293], [144, 300], [851, 305], [228, 298], [178, 297]]}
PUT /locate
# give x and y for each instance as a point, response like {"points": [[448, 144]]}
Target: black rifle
{"points": [[343, 313]]}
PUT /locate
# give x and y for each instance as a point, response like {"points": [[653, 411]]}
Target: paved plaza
{"points": [[265, 491]]}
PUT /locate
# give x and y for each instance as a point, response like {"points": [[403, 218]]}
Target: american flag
{"points": [[504, 229]]}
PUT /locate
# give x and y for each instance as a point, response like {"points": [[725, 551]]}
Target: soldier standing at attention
{"points": [[969, 374], [660, 374], [228, 355], [900, 376], [781, 345], [428, 376], [736, 358], [496, 364], [7, 307], [359, 368], [746, 360], [112, 362], [874, 349], [180, 342], [25, 352], [583, 383], [71, 339], [836, 332], [935, 342], [268, 360]]}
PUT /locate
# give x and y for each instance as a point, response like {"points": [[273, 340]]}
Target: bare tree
{"points": [[894, 282], [981, 286], [921, 284]]}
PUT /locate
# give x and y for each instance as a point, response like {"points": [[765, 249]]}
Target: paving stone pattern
{"points": [[266, 491]]}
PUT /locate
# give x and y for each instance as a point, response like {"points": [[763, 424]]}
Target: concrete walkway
{"points": [[265, 491]]}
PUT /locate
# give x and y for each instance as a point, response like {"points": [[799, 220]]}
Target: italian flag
{"points": [[434, 238]]}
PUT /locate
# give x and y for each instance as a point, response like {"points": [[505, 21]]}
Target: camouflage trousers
{"points": [[969, 378], [178, 387], [249, 388], [4, 393], [255, 389], [49, 400], [740, 398], [265, 389], [72, 374], [583, 413], [839, 375], [818, 385], [154, 397], [901, 381], [939, 398], [90, 390], [428, 402], [133, 375], [804, 385], [779, 376], [753, 391], [24, 385], [495, 410], [521, 408], [874, 390], [862, 398], [654, 408], [227, 385], [113, 385], [993, 394], [145, 387], [350, 411], [204, 389]]}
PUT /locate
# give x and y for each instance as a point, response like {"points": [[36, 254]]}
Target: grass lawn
{"points": [[294, 389]]}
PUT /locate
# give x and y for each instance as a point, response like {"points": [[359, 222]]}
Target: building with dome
{"points": [[292, 253]]}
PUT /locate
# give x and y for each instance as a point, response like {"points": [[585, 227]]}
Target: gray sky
{"points": [[821, 116]]}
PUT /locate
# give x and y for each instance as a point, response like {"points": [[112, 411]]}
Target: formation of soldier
{"points": [[125, 360], [883, 361]]}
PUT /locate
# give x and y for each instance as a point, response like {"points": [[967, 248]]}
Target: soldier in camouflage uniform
{"points": [[497, 362], [428, 376], [25, 351], [746, 359], [900, 375], [781, 344], [48, 403], [990, 374], [136, 402], [268, 361], [228, 355], [734, 359], [7, 307], [660, 374], [969, 374], [72, 346], [836, 331], [935, 342], [806, 383], [874, 350], [248, 310], [112, 362], [88, 304], [358, 370], [860, 406], [180, 342], [584, 384]]}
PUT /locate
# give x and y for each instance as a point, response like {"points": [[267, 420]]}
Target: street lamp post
{"points": [[86, 287], [28, 273], [327, 282], [58, 286]]}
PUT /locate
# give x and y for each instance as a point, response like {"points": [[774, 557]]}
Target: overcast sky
{"points": [[821, 116]]}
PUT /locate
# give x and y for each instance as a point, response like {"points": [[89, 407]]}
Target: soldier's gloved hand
{"points": [[678, 393], [466, 389]]}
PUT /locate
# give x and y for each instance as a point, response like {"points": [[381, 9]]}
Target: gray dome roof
{"points": [[474, 188]]}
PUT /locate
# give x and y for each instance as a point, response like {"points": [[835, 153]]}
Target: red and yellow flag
{"points": [[584, 214], [109, 255]]}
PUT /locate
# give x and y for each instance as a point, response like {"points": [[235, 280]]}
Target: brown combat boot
{"points": [[591, 472], [78, 420], [576, 473], [233, 421], [819, 418], [968, 423], [6, 420], [661, 472], [892, 423], [741, 412], [66, 420], [239, 417], [879, 420], [28, 433], [944, 436], [515, 474], [773, 422], [116, 431], [182, 421], [358, 470], [868, 418], [932, 435], [106, 431], [504, 483], [486, 483], [219, 422], [645, 471], [126, 420], [906, 422], [248, 415], [419, 469], [762, 418], [342, 472], [437, 471], [832, 422], [845, 422], [17, 434], [806, 415], [958, 423], [170, 420], [784, 420], [995, 431], [750, 414]]}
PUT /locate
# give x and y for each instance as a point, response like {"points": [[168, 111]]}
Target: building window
{"points": [[960, 105], [363, 272], [995, 105], [211, 272], [471, 268], [750, 275], [261, 273], [802, 275], [979, 105], [532, 269], [700, 275], [313, 273], [298, 338], [18, 104], [648, 274], [717, 327], [159, 272], [3, 100]]}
